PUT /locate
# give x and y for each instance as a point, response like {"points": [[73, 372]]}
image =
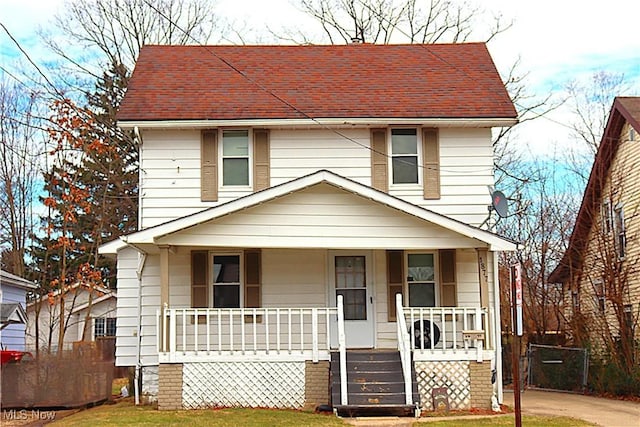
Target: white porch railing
{"points": [[404, 347], [446, 330], [185, 334]]}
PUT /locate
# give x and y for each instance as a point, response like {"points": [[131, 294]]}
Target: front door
{"points": [[350, 276]]}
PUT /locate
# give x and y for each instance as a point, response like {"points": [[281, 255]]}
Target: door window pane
{"points": [[354, 302], [350, 272], [351, 283]]}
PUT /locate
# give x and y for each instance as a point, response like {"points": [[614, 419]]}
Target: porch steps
{"points": [[375, 384]]}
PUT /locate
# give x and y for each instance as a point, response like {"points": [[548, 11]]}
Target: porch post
{"points": [[166, 332], [164, 276], [483, 277]]}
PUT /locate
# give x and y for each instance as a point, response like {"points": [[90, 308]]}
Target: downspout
{"points": [[138, 136], [142, 257], [497, 327]]}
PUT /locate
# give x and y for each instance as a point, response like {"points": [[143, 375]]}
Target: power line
{"points": [[289, 104]]}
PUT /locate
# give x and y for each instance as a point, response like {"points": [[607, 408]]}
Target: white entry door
{"points": [[350, 276]]}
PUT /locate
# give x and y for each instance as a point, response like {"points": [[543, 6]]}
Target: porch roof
{"points": [[176, 232]]}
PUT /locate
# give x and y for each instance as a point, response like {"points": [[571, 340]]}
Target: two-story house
{"points": [[599, 270], [305, 210]]}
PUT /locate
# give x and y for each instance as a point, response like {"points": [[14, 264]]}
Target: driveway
{"points": [[596, 410]]}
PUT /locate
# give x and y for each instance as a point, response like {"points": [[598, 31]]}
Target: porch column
{"points": [[164, 276], [483, 277]]}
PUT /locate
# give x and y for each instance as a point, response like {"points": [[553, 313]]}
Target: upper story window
{"points": [[620, 232], [607, 217], [404, 156], [235, 157]]}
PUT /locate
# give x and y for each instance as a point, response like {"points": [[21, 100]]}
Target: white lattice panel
{"points": [[452, 375], [245, 384]]}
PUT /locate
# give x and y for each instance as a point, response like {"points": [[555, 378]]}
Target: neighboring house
{"points": [[13, 299], [46, 313], [600, 271], [288, 195]]}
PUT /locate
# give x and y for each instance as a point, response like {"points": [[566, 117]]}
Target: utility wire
{"points": [[289, 104]]}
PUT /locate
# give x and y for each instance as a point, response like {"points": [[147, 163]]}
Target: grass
{"points": [[124, 413]]}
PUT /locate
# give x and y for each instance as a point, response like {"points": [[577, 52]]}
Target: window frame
{"points": [[436, 276], [222, 157], [105, 323], [212, 284], [619, 231], [419, 157], [606, 214]]}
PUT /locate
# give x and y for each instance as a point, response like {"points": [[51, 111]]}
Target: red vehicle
{"points": [[13, 356]]}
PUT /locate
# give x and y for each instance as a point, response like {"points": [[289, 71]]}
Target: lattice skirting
{"points": [[246, 384], [452, 375]]}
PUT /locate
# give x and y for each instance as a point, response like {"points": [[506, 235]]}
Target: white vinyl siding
{"points": [[13, 336], [322, 216], [170, 169]]}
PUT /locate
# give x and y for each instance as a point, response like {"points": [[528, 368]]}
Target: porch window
{"points": [[404, 156], [104, 327], [235, 157], [421, 280], [226, 281], [351, 283]]}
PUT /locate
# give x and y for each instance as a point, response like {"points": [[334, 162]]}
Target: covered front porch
{"points": [[242, 300]]}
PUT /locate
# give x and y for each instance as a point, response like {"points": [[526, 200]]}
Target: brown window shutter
{"points": [[199, 279], [252, 278], [209, 166], [261, 155], [379, 168], [395, 279], [448, 286], [431, 163]]}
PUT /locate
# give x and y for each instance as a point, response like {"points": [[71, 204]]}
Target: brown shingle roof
{"points": [[364, 81]]}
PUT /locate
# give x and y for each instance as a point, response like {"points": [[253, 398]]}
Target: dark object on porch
{"points": [[375, 384], [420, 335]]}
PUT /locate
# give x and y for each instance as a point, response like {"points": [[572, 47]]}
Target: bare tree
{"points": [[117, 29], [406, 21], [589, 100], [20, 153]]}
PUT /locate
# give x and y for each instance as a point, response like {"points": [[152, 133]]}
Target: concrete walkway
{"points": [[596, 410]]}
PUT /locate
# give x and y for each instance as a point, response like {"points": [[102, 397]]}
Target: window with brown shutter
{"points": [[379, 169], [209, 166], [199, 279], [448, 284], [252, 278], [261, 156], [431, 163], [395, 279]]}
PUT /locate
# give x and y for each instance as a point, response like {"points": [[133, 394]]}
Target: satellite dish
{"points": [[499, 203]]}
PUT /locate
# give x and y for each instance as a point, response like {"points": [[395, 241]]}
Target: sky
{"points": [[555, 41]]}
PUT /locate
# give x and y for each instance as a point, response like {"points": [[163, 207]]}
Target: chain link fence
{"points": [[558, 368]]}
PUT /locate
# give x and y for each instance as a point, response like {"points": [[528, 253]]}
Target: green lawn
{"points": [[124, 413]]}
